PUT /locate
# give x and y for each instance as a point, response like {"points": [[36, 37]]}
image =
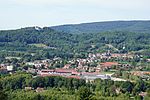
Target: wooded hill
{"points": [[91, 37], [96, 27]]}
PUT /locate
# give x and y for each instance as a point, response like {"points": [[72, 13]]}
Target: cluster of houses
{"points": [[83, 70], [38, 89], [5, 68], [83, 67], [109, 55], [69, 72], [98, 57], [145, 75], [139, 73], [72, 73]]}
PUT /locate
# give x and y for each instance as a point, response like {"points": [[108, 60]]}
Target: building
{"points": [[59, 72], [3, 71], [28, 88], [108, 65], [90, 77], [39, 89], [67, 66], [10, 68]]}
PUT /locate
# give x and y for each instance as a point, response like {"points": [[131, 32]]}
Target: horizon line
{"points": [[65, 24]]}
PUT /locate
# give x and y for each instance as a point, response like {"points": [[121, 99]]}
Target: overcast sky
{"points": [[22, 13]]}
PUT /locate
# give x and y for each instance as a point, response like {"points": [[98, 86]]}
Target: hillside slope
{"points": [[117, 34], [95, 27]]}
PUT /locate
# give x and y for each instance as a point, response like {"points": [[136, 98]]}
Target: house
{"points": [[109, 64], [65, 71], [28, 88], [118, 90], [143, 94], [117, 79], [46, 72], [3, 70], [39, 89], [30, 63], [76, 73], [10, 68], [148, 60], [98, 69], [46, 61], [90, 77], [139, 73], [31, 70], [67, 66], [91, 69], [59, 72], [115, 55]]}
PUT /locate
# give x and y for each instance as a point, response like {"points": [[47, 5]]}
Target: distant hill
{"points": [[130, 35], [95, 27]]}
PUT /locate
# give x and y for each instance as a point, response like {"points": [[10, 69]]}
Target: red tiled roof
{"points": [[76, 77], [109, 64], [65, 70], [72, 76], [45, 70], [75, 72], [67, 66]]}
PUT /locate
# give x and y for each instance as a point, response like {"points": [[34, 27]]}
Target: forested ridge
{"points": [[133, 41], [49, 40], [96, 27]]}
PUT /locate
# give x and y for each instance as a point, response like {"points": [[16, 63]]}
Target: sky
{"points": [[16, 14]]}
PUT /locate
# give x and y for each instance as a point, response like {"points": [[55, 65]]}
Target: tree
{"points": [[127, 87], [3, 95], [140, 86], [84, 93]]}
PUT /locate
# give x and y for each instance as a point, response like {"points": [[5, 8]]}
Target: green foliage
{"points": [[84, 93], [20, 81], [3, 95], [14, 81], [23, 42], [60, 88], [127, 87], [131, 26]]}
